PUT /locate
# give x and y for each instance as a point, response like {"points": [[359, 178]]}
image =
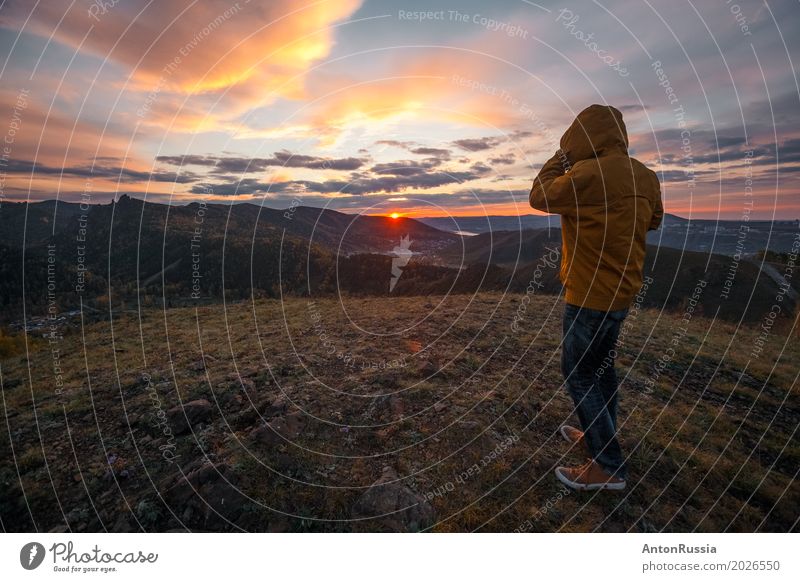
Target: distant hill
{"points": [[724, 237], [479, 224], [34, 223], [727, 237], [502, 247], [351, 233], [132, 253], [512, 260], [346, 233]]}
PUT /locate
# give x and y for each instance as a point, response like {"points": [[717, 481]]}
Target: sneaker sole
{"points": [[564, 435], [588, 487]]}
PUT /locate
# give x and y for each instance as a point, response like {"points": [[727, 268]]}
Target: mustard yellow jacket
{"points": [[607, 202]]}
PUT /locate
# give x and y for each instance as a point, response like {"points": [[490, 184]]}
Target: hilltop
{"points": [[120, 255], [363, 414]]}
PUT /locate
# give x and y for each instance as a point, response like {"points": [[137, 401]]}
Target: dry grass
{"points": [[711, 448]]}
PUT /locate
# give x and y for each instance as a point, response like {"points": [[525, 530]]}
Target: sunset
{"points": [[357, 105], [347, 267]]}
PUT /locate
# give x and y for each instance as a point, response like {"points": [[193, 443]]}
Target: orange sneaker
{"points": [[574, 436], [589, 477]]}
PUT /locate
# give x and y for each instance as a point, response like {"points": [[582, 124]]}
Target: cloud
{"points": [[435, 152], [505, 159], [51, 136], [395, 143], [406, 167], [727, 151], [420, 84], [490, 142], [426, 202], [253, 52], [283, 159], [100, 171], [478, 144], [413, 147], [399, 177], [634, 108]]}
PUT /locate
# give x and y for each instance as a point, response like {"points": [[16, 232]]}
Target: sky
{"points": [[422, 108]]}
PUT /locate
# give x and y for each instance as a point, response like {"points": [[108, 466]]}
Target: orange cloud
{"points": [[253, 51], [425, 85]]}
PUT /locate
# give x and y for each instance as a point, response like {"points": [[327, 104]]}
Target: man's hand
{"points": [[554, 189]]}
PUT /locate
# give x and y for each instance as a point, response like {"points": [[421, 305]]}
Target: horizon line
{"points": [[399, 214]]}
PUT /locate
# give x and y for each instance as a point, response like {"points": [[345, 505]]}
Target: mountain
{"points": [[502, 247], [131, 250], [479, 224], [36, 222], [351, 233], [733, 289], [728, 237], [130, 253], [724, 237], [346, 233]]}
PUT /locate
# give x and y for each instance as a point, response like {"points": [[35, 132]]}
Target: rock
{"points": [[244, 419], [251, 413], [229, 400], [182, 417], [207, 497], [280, 429], [265, 434], [394, 506], [276, 407], [440, 406], [241, 379]]}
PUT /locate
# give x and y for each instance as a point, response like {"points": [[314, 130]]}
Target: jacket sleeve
{"points": [[658, 211], [556, 191]]}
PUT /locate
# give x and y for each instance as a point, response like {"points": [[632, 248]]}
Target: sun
{"points": [[394, 215]]}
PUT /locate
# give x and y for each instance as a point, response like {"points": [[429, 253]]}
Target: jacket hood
{"points": [[596, 131]]}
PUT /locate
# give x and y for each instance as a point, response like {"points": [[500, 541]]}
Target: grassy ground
{"points": [[443, 390]]}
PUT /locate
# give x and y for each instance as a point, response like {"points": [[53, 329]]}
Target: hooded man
{"points": [[607, 202]]}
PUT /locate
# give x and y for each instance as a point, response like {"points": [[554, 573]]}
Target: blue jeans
{"points": [[587, 362]]}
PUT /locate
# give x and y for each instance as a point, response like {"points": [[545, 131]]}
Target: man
{"points": [[607, 202]]}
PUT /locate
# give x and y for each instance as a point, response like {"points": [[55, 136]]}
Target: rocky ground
{"points": [[416, 413]]}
